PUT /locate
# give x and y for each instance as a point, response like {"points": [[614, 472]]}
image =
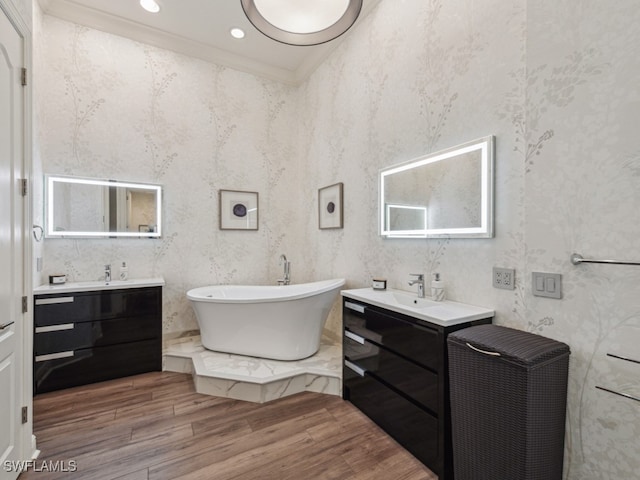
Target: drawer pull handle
{"points": [[51, 301], [2, 327], [354, 306], [494, 354], [354, 337], [54, 356], [55, 328], [355, 368]]}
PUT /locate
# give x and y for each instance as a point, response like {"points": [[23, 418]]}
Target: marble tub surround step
{"points": [[177, 352], [254, 379]]}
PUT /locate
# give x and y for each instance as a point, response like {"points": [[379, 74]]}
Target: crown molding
{"points": [[80, 14], [106, 22]]}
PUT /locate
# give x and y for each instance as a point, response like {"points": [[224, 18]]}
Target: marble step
{"points": [[254, 379]]}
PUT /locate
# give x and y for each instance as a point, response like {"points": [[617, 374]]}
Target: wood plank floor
{"points": [[155, 426]]}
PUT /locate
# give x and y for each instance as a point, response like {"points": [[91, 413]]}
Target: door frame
{"points": [[27, 440]]}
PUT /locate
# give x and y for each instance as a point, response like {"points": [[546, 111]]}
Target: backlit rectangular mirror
{"points": [[86, 207], [443, 194]]}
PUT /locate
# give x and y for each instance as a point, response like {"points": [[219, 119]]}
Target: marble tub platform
{"points": [[254, 379]]}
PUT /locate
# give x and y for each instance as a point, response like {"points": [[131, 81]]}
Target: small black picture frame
{"points": [[238, 210]]}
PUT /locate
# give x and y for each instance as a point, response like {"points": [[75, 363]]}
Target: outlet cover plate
{"points": [[547, 284], [504, 278]]}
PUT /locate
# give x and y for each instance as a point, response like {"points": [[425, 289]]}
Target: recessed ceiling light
{"points": [[237, 32], [150, 6]]}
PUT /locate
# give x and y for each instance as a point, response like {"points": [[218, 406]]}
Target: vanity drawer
{"points": [[80, 367], [410, 425], [92, 306], [420, 343], [414, 381], [396, 372], [75, 336]]}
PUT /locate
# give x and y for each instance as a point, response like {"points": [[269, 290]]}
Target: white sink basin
{"points": [[443, 313], [413, 301]]}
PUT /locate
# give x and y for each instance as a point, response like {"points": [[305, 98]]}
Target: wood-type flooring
{"points": [[155, 426]]}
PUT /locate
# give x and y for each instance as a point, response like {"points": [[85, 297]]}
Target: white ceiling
{"points": [[200, 28]]}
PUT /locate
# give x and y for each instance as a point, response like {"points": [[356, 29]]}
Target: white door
{"points": [[11, 246]]}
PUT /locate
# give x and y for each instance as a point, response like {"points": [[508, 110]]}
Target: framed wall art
{"points": [[330, 211], [238, 210]]}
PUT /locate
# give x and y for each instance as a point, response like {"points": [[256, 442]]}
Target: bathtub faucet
{"points": [[286, 279]]}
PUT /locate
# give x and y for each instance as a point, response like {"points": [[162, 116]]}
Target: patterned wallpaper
{"points": [[112, 108], [555, 82], [582, 194]]}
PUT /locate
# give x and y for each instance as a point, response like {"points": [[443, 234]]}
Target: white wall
{"points": [[556, 82]]}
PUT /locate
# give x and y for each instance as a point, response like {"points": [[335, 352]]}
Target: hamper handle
{"points": [[495, 354]]}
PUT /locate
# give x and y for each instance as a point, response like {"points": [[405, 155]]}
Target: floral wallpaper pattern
{"points": [[112, 108], [554, 81]]}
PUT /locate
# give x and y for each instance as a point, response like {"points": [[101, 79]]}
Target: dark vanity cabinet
{"points": [[395, 371], [92, 336]]}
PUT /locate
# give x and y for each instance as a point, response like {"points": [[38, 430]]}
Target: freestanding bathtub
{"points": [[282, 322]]}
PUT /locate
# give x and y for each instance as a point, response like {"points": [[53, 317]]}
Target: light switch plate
{"points": [[504, 278], [546, 284]]}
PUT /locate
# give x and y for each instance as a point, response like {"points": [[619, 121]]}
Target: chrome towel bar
{"points": [[623, 358], [625, 395], [577, 259]]}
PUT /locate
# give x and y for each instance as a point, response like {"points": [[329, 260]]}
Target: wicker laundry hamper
{"points": [[508, 392]]}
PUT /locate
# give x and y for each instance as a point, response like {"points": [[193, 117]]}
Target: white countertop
{"points": [[443, 313], [71, 287]]}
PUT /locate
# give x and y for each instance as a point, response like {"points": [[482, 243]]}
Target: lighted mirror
{"points": [[86, 207], [443, 194]]}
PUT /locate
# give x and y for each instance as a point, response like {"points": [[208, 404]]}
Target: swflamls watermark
{"points": [[63, 466]]}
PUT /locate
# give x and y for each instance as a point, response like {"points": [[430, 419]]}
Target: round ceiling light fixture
{"points": [[302, 22]]}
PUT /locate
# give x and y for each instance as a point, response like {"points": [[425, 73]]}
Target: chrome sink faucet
{"points": [[286, 279], [107, 273], [420, 282]]}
